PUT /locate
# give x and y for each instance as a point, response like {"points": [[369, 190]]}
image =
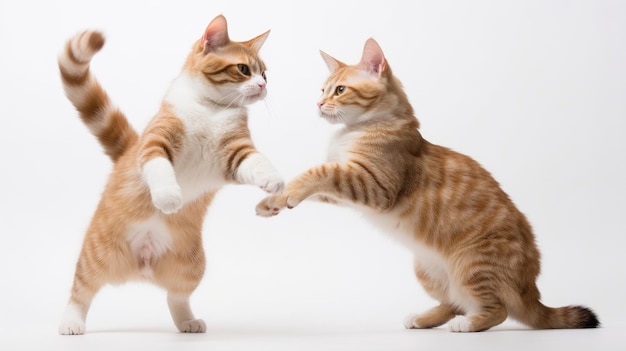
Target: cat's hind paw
{"points": [[193, 326], [73, 320], [71, 327]]}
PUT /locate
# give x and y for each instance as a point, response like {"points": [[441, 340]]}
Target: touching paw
{"points": [[271, 206], [270, 182], [168, 199]]}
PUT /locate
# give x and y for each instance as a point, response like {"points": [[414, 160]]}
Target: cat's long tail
{"points": [[103, 119], [539, 316]]}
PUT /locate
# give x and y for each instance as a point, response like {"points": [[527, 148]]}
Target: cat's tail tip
{"points": [[84, 45], [586, 317], [568, 317]]}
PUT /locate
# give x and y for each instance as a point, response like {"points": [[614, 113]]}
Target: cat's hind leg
{"points": [[182, 315], [180, 273], [435, 283], [73, 320], [477, 288], [88, 279]]}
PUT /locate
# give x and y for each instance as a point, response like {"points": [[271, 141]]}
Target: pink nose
{"points": [[262, 85], [320, 104]]}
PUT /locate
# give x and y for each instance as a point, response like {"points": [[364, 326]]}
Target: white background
{"points": [[533, 90]]}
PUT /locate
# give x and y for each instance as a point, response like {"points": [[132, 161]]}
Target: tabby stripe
{"points": [[156, 148], [349, 182], [237, 156], [235, 147], [117, 136], [364, 100], [364, 187], [373, 175], [92, 106], [71, 78]]}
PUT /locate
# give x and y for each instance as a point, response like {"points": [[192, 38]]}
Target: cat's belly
{"points": [[148, 241], [426, 259]]}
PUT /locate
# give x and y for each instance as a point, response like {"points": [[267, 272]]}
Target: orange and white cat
{"points": [[148, 224], [474, 250]]}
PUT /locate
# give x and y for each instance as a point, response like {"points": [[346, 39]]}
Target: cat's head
{"points": [[227, 72], [362, 92]]}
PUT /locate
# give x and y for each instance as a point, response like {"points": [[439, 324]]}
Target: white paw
{"points": [[74, 327], [73, 320], [168, 199], [193, 326], [460, 324], [270, 182], [409, 321]]}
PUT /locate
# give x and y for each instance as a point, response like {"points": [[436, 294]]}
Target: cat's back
{"points": [[453, 195]]}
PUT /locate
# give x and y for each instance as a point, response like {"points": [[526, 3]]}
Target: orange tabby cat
{"points": [[149, 221], [474, 250]]}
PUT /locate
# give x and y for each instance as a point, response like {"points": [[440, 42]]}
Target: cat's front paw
{"points": [[271, 206], [460, 324], [168, 199], [270, 182]]}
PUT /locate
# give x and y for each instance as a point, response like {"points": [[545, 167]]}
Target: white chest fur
{"points": [[198, 168], [340, 145]]}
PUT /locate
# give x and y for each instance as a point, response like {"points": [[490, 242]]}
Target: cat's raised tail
{"points": [[103, 119]]}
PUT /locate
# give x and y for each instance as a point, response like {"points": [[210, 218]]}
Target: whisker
{"points": [[233, 97], [270, 106]]}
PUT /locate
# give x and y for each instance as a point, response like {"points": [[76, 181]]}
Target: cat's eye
{"points": [[264, 76], [244, 69], [340, 89]]}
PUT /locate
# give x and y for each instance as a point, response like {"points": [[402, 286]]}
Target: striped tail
{"points": [[104, 120]]}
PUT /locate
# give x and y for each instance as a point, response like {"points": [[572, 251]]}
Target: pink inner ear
{"points": [[215, 35], [373, 60]]}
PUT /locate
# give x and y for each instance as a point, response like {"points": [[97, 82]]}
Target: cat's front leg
{"points": [[257, 170], [164, 189]]}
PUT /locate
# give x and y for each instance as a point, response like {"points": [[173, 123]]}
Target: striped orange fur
{"points": [[148, 223], [474, 251], [96, 110]]}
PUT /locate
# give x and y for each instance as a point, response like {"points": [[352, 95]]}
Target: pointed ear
{"points": [[332, 63], [257, 42], [215, 35], [373, 61]]}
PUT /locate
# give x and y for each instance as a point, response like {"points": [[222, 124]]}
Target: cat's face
{"points": [[354, 93], [228, 73]]}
